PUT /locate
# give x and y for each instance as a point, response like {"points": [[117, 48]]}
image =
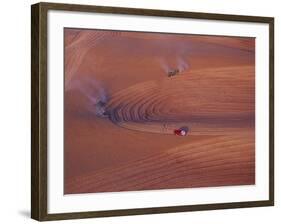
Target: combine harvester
{"points": [[173, 72]]}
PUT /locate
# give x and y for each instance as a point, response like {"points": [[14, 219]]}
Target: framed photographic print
{"points": [[140, 111]]}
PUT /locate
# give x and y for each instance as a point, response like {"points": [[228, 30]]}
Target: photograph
{"points": [[150, 111]]}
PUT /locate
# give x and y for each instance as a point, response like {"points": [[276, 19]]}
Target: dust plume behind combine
{"points": [[93, 93]]}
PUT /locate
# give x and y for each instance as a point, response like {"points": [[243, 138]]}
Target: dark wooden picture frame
{"points": [[39, 148]]}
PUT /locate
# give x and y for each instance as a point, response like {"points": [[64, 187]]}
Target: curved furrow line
{"points": [[78, 48], [212, 180], [149, 106], [180, 171], [211, 145], [153, 175], [126, 105], [192, 158], [122, 97]]}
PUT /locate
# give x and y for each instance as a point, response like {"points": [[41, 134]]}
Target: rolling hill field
{"points": [[122, 109]]}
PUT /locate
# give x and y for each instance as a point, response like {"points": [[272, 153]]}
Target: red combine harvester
{"points": [[181, 131]]}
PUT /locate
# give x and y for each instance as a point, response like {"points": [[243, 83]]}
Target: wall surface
{"points": [[15, 111]]}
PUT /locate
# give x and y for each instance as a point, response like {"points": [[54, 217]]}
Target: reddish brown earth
{"points": [[134, 147]]}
